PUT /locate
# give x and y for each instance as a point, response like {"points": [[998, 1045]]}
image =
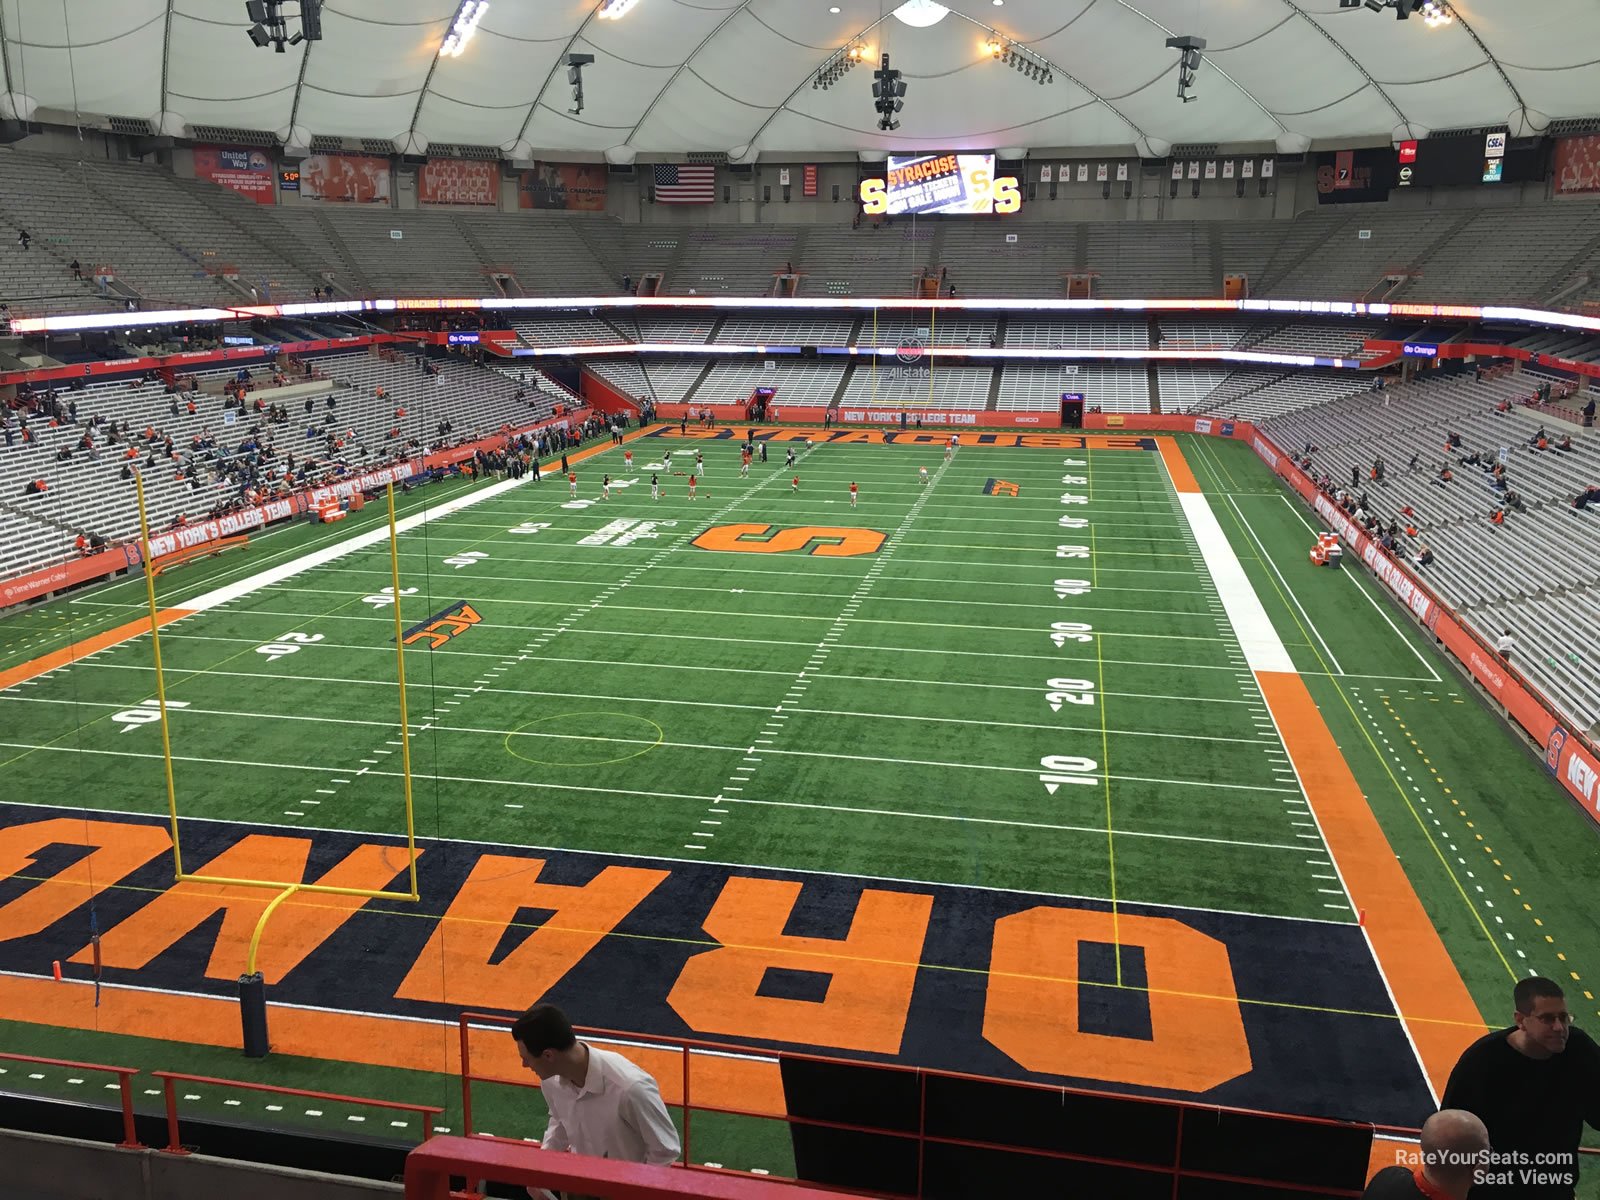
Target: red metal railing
{"points": [[430, 1166], [130, 1139], [175, 1143], [687, 1048]]}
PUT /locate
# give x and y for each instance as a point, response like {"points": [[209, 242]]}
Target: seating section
{"points": [[1537, 575], [1257, 395], [900, 386], [90, 493]]}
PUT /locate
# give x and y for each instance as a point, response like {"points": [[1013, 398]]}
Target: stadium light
{"points": [[575, 65], [463, 27], [839, 64], [615, 10]]}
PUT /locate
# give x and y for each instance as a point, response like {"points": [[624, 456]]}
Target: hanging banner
{"points": [[1266, 167], [783, 176], [572, 187], [808, 180], [1045, 174], [1194, 169], [248, 172], [345, 178], [1177, 170], [459, 181], [1102, 173], [1227, 168], [1577, 166], [1122, 172], [1083, 172], [1248, 169], [1211, 169]]}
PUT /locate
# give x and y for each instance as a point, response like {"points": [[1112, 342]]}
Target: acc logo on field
{"points": [[824, 541]]}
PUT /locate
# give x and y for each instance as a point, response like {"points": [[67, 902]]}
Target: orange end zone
{"points": [[1177, 466], [67, 655], [1434, 1003]]}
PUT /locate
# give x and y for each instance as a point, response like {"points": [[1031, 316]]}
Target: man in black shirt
{"points": [[1451, 1154], [1534, 1085]]}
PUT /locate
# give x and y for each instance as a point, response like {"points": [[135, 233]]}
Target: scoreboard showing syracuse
{"points": [[940, 183]]}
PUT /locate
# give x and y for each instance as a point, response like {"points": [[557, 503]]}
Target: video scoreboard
{"points": [[940, 183]]}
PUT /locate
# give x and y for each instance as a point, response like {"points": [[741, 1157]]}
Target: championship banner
{"points": [[808, 180], [459, 181], [571, 187], [1578, 165], [248, 172], [345, 178]]}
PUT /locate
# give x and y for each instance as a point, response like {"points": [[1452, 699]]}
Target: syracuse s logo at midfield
{"points": [[824, 541]]}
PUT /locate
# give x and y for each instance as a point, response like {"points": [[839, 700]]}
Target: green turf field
{"points": [[1003, 706]]}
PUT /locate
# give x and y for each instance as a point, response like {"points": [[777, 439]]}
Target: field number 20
{"points": [[1069, 691]]}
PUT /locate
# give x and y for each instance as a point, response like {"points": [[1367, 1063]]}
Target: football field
{"points": [[1058, 764]]}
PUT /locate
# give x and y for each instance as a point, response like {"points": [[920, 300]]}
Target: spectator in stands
{"points": [[1589, 495], [36, 487], [1497, 517], [1424, 557], [1534, 1085], [76, 269], [1445, 476], [1588, 412], [1505, 645], [1565, 443], [599, 1103], [1450, 1157], [23, 238]]}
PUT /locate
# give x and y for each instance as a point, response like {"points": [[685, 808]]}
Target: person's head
{"points": [[1542, 1016], [1453, 1145], [545, 1039]]}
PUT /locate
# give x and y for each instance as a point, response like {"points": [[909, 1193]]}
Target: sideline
{"points": [[1433, 1003]]}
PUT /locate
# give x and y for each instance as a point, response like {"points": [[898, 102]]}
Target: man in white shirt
{"points": [[600, 1103], [1505, 645]]}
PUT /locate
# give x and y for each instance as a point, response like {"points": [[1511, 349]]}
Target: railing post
{"points": [[688, 1112], [466, 1076], [130, 1134], [174, 1145]]}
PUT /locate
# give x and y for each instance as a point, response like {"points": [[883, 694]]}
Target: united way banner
{"points": [[572, 187], [459, 181], [345, 178], [248, 172]]}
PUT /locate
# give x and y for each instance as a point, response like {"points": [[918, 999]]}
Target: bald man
{"points": [[1453, 1145]]}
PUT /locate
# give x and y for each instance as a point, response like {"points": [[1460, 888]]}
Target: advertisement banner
{"points": [[1578, 165], [459, 181], [248, 172], [568, 187], [345, 178]]}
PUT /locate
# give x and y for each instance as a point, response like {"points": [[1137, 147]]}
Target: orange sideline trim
{"points": [[1177, 466], [35, 667], [1432, 1001]]}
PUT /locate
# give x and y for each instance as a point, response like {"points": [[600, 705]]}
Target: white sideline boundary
{"points": [[341, 549]]}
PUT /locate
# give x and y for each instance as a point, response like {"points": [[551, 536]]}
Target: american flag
{"points": [[685, 183]]}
